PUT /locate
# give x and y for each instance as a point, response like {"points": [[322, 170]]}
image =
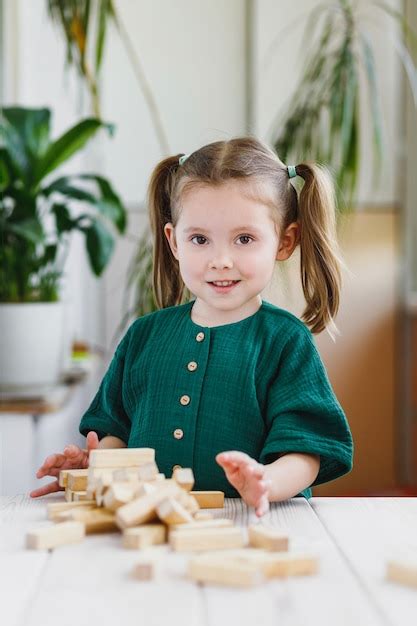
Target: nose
{"points": [[221, 260]]}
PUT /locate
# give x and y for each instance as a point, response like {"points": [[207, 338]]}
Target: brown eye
{"points": [[197, 237], [246, 237]]}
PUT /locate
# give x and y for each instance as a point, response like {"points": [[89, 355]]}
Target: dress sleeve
{"points": [[303, 413], [106, 414]]}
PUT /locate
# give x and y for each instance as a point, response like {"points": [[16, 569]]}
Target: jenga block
{"points": [[201, 516], [184, 477], [125, 473], [207, 539], [79, 496], [102, 483], [53, 508], [47, 537], [198, 525], [143, 509], [172, 512], [118, 494], [403, 570], [267, 538], [143, 536], [69, 494], [222, 572], [97, 520], [188, 502], [209, 499], [144, 488], [100, 472], [273, 564], [77, 479], [120, 457], [148, 471], [63, 477], [145, 570]]}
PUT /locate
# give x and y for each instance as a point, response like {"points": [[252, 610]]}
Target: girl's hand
{"points": [[72, 457], [247, 476]]}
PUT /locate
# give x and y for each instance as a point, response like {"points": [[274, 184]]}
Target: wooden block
{"points": [[148, 471], [402, 570], [79, 496], [209, 499], [207, 539], [77, 479], [197, 525], [53, 508], [68, 494], [144, 488], [63, 477], [95, 520], [172, 512], [102, 483], [143, 536], [125, 473], [188, 502], [47, 537], [145, 570], [184, 477], [100, 472], [120, 457], [118, 494], [273, 564], [200, 516], [143, 509], [222, 572], [268, 538]]}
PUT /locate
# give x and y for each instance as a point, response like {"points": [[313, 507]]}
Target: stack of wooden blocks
{"points": [[123, 491]]}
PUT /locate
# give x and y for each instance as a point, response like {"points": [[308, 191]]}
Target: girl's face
{"points": [[222, 235]]}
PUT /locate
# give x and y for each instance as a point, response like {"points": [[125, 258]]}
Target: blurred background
{"points": [[93, 94]]}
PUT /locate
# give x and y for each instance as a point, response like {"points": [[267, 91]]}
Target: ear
{"points": [[170, 235], [288, 241]]}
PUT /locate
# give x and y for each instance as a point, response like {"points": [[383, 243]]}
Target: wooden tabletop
{"points": [[90, 582]]}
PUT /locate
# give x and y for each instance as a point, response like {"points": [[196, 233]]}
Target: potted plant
{"points": [[37, 217]]}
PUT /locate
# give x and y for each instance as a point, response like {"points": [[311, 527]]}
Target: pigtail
{"points": [[320, 257], [168, 286]]}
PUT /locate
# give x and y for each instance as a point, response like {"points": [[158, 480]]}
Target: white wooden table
{"points": [[90, 582]]}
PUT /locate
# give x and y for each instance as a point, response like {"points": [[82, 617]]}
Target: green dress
{"points": [[189, 391]]}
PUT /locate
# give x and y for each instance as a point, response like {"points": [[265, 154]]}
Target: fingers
{"points": [[92, 440], [52, 462], [263, 506], [49, 488]]}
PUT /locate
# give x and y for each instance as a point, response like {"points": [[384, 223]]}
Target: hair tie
{"points": [[292, 171], [183, 158]]}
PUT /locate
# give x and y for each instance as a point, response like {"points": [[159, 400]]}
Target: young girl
{"points": [[227, 383]]}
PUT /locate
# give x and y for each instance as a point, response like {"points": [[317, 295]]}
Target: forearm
{"points": [[109, 441], [290, 474]]}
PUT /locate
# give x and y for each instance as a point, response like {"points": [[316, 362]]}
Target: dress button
{"points": [[185, 400], [199, 336], [178, 433], [174, 467], [192, 365]]}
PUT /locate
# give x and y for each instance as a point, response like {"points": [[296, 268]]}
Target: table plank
{"points": [[369, 531], [334, 596], [93, 578]]}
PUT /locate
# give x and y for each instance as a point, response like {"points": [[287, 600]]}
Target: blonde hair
{"points": [[251, 160]]}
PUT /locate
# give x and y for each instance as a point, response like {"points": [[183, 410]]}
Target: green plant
{"points": [[37, 216], [322, 118], [84, 25]]}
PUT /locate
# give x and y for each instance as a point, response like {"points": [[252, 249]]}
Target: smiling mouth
{"points": [[228, 283]]}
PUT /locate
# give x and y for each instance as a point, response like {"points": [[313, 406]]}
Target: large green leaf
{"points": [[100, 244], [110, 204], [32, 126], [67, 145]]}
